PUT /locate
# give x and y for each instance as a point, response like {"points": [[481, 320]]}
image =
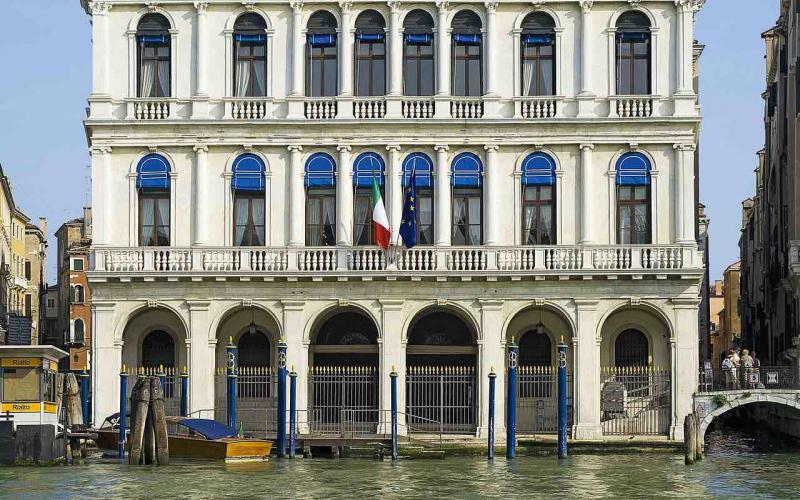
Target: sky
{"points": [[45, 46]]}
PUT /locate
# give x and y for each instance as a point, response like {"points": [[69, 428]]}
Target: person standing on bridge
{"points": [[728, 371], [747, 369]]}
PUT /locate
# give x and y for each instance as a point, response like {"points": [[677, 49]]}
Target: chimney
{"points": [[43, 226], [87, 223]]}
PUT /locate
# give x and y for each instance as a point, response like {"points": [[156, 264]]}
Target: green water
{"points": [[735, 467]]}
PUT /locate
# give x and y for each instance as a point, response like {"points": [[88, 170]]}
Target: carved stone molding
{"points": [[201, 7], [100, 8], [586, 5]]}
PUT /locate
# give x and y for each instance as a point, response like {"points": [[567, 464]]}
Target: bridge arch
{"points": [[754, 397]]}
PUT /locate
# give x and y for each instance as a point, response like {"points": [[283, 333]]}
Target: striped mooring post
{"points": [[292, 412], [511, 413], [282, 398], [85, 397], [393, 378], [562, 399], [492, 380], [162, 378], [184, 392], [123, 410], [231, 378]]}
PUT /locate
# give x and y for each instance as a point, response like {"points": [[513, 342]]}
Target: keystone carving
{"points": [[635, 301], [152, 303], [247, 303]]}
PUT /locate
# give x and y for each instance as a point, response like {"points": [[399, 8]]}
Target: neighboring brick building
{"points": [[36, 276]]}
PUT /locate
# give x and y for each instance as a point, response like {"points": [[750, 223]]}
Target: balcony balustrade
{"points": [[369, 108], [466, 107], [596, 259], [151, 109], [248, 108], [321, 108], [538, 107], [418, 108], [632, 106]]}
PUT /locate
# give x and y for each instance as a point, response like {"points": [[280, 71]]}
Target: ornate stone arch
{"points": [[611, 30], [455, 308], [550, 305], [123, 321], [612, 22], [455, 9], [335, 13], [132, 48], [133, 24], [133, 196], [227, 195], [643, 304], [760, 398], [612, 191], [220, 318], [316, 321], [247, 10], [228, 34], [407, 8]]}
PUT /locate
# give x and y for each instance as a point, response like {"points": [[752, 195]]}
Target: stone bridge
{"points": [[712, 404]]}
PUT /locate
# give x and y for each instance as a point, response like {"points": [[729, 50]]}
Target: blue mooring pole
{"points": [[282, 398], [492, 380], [162, 378], [85, 397], [562, 399], [184, 392], [231, 392], [511, 410], [123, 410], [393, 378], [292, 412]]}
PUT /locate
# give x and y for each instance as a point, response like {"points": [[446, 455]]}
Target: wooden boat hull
{"points": [[227, 449]]}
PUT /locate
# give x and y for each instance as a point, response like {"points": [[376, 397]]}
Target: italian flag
{"points": [[379, 220]]}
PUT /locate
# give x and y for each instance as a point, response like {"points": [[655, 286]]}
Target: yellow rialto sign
{"points": [[22, 407], [50, 408], [20, 362]]}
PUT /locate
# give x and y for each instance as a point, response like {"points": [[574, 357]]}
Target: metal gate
{"points": [[344, 400], [255, 402], [441, 399], [171, 385], [635, 400], [537, 399]]}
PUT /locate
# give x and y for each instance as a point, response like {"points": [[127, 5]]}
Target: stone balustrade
{"points": [[466, 107], [248, 108], [321, 108], [538, 107], [369, 108], [418, 108], [632, 106], [151, 109]]}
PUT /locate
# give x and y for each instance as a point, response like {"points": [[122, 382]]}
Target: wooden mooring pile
{"points": [[149, 443]]}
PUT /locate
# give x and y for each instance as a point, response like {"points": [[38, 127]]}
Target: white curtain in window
{"points": [[528, 70], [163, 79], [146, 79], [529, 213], [242, 78], [474, 221], [258, 219], [148, 218], [240, 210], [362, 207], [313, 212]]}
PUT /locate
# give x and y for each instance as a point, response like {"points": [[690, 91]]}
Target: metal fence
{"points": [[635, 400], [441, 399], [763, 377], [171, 385], [343, 400], [537, 399], [255, 405]]}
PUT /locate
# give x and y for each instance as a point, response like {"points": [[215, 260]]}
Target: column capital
{"points": [[391, 304], [297, 6], [684, 5], [394, 6], [491, 148], [685, 302], [586, 5], [201, 148], [443, 6], [491, 304], [491, 6], [345, 6], [441, 148], [587, 146], [100, 150], [198, 305], [393, 147], [100, 8], [343, 148], [585, 304], [295, 148], [293, 304], [201, 7]]}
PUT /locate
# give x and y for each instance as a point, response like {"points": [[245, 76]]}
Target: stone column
{"points": [[491, 201], [443, 50], [392, 356], [201, 198], [202, 359], [488, 46], [684, 361], [100, 189], [586, 189], [202, 8], [106, 362], [297, 197], [297, 356], [684, 193], [684, 42], [100, 99], [108, 197], [344, 198], [395, 190], [586, 47], [442, 198], [345, 51], [298, 49], [587, 373], [492, 357], [395, 50]]}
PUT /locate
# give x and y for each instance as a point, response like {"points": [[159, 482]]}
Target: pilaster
{"points": [[492, 358], [393, 358], [587, 372], [297, 355], [202, 361]]}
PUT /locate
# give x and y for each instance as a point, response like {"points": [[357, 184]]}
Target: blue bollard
{"points": [[123, 410], [184, 392], [231, 391], [492, 377], [393, 378], [85, 397], [292, 413], [562, 399], [162, 378], [511, 410], [282, 398]]}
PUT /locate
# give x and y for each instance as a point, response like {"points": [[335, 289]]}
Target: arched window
{"points": [[153, 184], [535, 349], [154, 54], [78, 295], [633, 54], [250, 56], [467, 180], [419, 73], [158, 349], [422, 167], [631, 349], [320, 181], [249, 202], [322, 65], [467, 54], [253, 349], [367, 168], [633, 199], [538, 55], [78, 332], [538, 199], [370, 54]]}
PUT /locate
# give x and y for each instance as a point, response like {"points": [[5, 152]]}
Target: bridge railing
{"points": [[741, 378]]}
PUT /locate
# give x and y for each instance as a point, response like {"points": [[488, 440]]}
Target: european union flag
{"points": [[408, 226]]}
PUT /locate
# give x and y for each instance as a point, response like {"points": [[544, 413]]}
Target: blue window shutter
{"points": [[633, 36], [320, 171], [467, 171], [538, 169], [366, 167], [370, 37], [317, 40], [248, 174], [153, 39], [467, 39], [419, 38], [250, 38], [152, 173], [633, 169], [537, 39], [424, 167]]}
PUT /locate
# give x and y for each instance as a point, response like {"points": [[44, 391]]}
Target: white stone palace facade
{"points": [[234, 145]]}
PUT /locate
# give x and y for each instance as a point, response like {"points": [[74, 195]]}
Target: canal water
{"points": [[737, 465]]}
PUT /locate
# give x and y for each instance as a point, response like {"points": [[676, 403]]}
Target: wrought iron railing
{"points": [[635, 400], [441, 399], [343, 400], [748, 378], [537, 399]]}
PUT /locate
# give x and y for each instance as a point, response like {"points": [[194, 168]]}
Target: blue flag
{"points": [[408, 226]]}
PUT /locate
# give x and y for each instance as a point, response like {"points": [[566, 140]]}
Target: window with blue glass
{"points": [[467, 179], [320, 182], [154, 56], [153, 186], [367, 168], [538, 55], [633, 199], [538, 199], [250, 56], [421, 166], [322, 62], [467, 54], [370, 54], [249, 202], [419, 73], [633, 54]]}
